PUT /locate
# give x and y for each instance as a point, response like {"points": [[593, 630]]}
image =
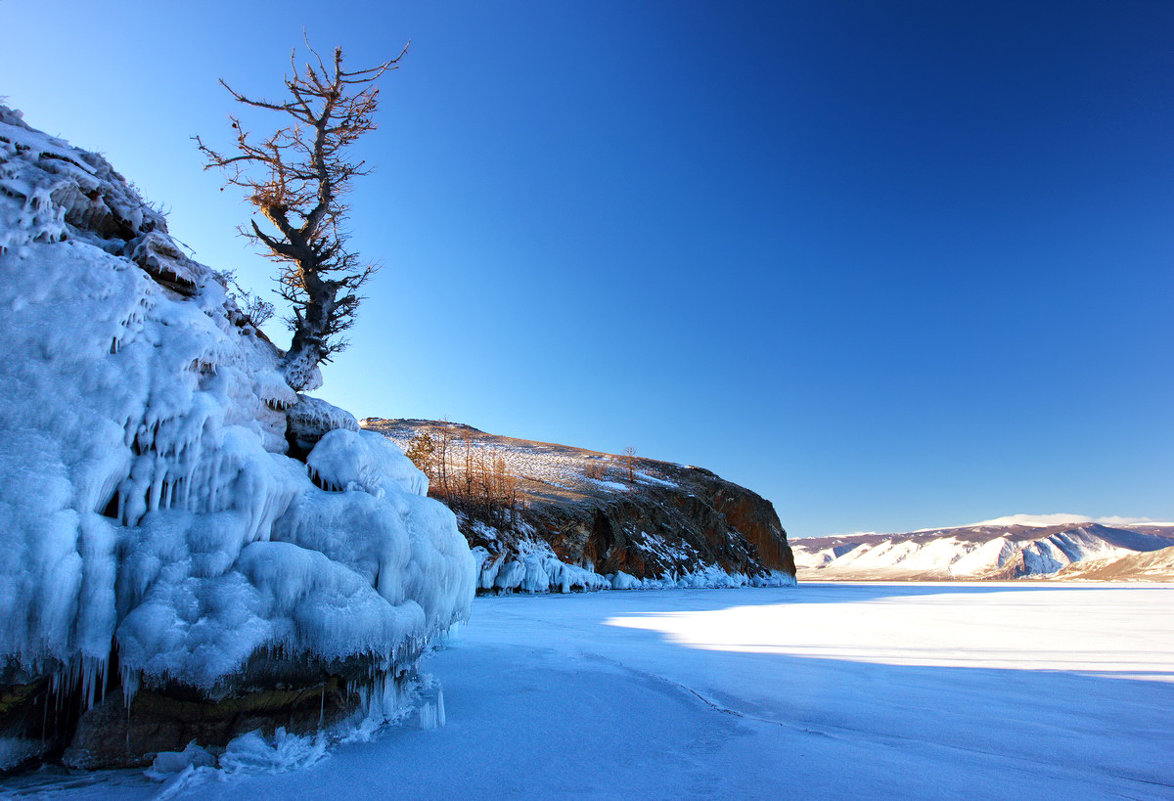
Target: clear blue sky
{"points": [[891, 265]]}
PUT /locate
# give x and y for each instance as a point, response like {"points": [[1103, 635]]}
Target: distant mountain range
{"points": [[1005, 548]]}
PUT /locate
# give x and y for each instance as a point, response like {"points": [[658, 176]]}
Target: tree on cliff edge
{"points": [[296, 178]]}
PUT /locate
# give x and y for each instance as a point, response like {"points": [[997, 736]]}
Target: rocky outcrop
{"points": [[111, 734], [656, 521]]}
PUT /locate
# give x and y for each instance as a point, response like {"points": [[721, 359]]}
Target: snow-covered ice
{"points": [[827, 691]]}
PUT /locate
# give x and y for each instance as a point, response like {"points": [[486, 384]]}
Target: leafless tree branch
{"points": [[296, 178]]}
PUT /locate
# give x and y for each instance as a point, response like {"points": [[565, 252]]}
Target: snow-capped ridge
{"points": [[988, 550], [1046, 520]]}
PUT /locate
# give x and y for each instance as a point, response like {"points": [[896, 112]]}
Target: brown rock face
{"points": [[111, 736], [654, 520]]}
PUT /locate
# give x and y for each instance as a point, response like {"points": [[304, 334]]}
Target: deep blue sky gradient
{"points": [[891, 265]]}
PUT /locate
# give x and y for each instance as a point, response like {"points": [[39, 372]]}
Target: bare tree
{"points": [[296, 178], [467, 441], [629, 455], [443, 441], [254, 307]]}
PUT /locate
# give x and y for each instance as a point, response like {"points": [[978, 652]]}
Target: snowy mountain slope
{"points": [[582, 524], [158, 543], [1144, 566], [989, 550]]}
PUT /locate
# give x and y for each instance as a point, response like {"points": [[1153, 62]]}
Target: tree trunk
{"points": [[309, 346]]}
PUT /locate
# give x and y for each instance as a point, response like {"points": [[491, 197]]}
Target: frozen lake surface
{"points": [[825, 691]]}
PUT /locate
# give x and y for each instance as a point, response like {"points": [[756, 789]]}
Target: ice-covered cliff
{"points": [[159, 546]]}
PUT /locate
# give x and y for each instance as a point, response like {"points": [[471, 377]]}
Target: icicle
{"points": [[153, 493], [130, 685]]}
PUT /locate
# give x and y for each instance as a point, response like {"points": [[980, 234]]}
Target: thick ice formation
{"points": [[147, 502], [312, 418], [534, 567], [706, 577]]}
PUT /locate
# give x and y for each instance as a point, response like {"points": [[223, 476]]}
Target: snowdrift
{"points": [[157, 535]]}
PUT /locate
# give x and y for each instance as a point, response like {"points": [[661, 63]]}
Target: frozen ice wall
{"points": [[147, 501]]}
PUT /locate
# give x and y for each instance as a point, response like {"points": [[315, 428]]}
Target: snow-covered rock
{"points": [[310, 419], [157, 538]]}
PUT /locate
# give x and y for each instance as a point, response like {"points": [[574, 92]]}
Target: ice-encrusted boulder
{"points": [[167, 571], [310, 419]]}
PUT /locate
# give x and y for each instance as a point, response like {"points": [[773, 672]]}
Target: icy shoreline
{"points": [[533, 568], [898, 692]]}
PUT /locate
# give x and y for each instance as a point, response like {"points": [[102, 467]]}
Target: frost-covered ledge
{"points": [[164, 560]]}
